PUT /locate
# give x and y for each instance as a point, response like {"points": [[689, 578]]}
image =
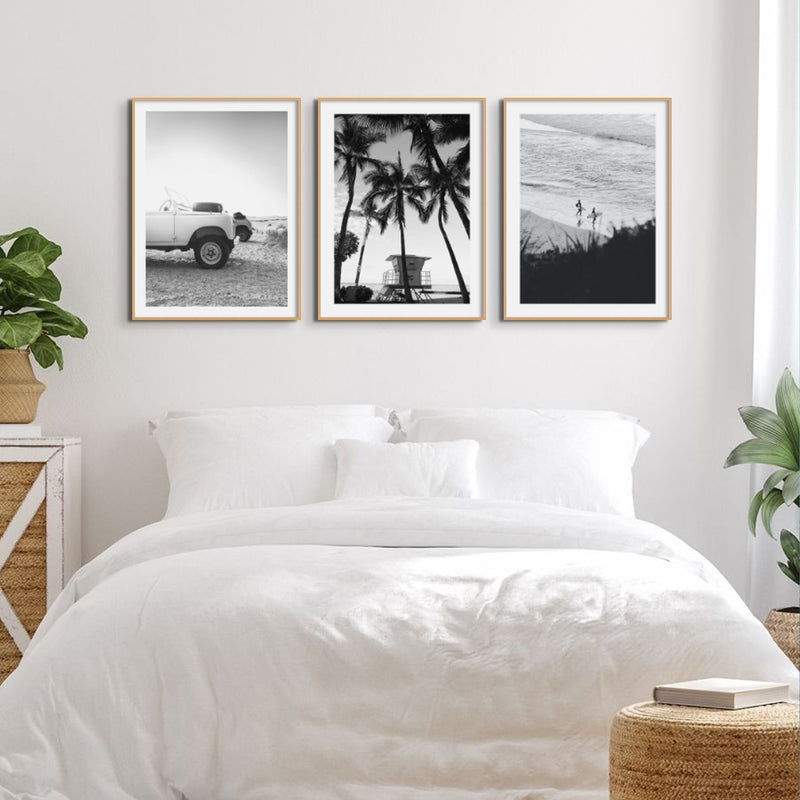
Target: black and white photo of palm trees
{"points": [[587, 208], [401, 200]]}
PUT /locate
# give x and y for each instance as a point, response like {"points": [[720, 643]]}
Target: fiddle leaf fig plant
{"points": [[776, 443], [29, 289]]}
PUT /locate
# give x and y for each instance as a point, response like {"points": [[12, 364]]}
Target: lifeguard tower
{"points": [[419, 281]]}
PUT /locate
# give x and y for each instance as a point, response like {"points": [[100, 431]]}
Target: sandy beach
{"points": [[256, 273], [538, 234]]}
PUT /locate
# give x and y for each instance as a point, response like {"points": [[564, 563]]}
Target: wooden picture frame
{"points": [[561, 260], [437, 259], [232, 252]]}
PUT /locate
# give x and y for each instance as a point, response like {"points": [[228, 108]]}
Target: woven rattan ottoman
{"points": [[664, 752]]}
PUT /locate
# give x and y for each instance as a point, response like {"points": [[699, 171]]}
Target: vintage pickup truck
{"points": [[179, 225]]}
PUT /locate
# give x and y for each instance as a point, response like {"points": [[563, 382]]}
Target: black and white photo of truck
{"points": [[203, 228]]}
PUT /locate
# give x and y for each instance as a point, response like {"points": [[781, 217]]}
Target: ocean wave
{"points": [[631, 128], [630, 138], [547, 184]]}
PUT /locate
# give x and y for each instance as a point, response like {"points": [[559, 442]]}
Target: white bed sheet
{"points": [[394, 648]]}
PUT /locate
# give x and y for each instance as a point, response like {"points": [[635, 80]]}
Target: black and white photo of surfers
{"points": [[591, 207], [403, 212], [215, 209]]}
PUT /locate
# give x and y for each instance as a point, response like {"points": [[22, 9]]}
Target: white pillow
{"points": [[444, 469], [406, 416], [581, 462], [269, 457], [324, 410]]}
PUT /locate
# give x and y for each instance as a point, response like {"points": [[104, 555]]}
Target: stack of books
{"points": [[724, 693]]}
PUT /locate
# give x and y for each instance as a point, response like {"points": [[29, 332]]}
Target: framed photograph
{"points": [[587, 209], [401, 209], [216, 209]]}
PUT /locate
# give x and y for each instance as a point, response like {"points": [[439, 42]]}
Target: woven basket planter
{"points": [[19, 389], [663, 752], [783, 625]]}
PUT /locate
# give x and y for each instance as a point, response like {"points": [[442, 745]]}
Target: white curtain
{"points": [[777, 267]]}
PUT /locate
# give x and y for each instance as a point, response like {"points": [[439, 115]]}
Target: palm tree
{"points": [[392, 187], [351, 145], [439, 189], [455, 128], [371, 214], [428, 130]]}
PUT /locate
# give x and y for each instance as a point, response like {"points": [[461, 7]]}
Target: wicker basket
{"points": [[19, 389], [664, 752], [783, 625], [23, 576]]}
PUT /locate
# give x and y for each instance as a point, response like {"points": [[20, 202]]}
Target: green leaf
{"points": [[765, 424], [22, 232], [787, 404], [791, 488], [27, 264], [47, 352], [12, 298], [46, 285], [36, 243], [791, 547], [772, 502], [57, 322], [19, 330], [790, 573], [752, 512], [774, 479], [757, 451]]}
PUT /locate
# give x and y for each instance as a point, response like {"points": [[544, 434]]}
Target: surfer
{"points": [[593, 216], [579, 206]]}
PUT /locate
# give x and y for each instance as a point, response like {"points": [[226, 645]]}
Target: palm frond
{"points": [[430, 208], [452, 128], [418, 205], [461, 159]]}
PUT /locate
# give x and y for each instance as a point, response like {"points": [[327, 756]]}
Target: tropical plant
{"points": [[29, 316], [350, 245], [427, 132], [372, 215], [776, 442], [439, 188], [392, 188], [351, 144]]}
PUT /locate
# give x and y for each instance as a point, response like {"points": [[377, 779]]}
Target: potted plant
{"points": [[776, 442], [30, 320]]}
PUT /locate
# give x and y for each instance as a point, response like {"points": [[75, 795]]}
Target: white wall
{"points": [[69, 70]]}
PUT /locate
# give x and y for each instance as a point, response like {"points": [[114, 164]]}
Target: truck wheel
{"points": [[243, 233], [211, 253]]}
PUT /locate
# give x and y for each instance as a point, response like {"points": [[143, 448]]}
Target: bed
{"points": [[364, 647]]}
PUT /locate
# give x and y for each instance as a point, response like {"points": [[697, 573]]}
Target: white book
{"points": [[725, 693], [21, 431]]}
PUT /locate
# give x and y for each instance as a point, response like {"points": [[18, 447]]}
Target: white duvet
{"points": [[365, 649]]}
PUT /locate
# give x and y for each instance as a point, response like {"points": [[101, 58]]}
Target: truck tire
{"points": [[243, 233], [211, 252]]}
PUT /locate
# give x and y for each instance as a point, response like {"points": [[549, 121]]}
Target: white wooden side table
{"points": [[40, 534]]}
